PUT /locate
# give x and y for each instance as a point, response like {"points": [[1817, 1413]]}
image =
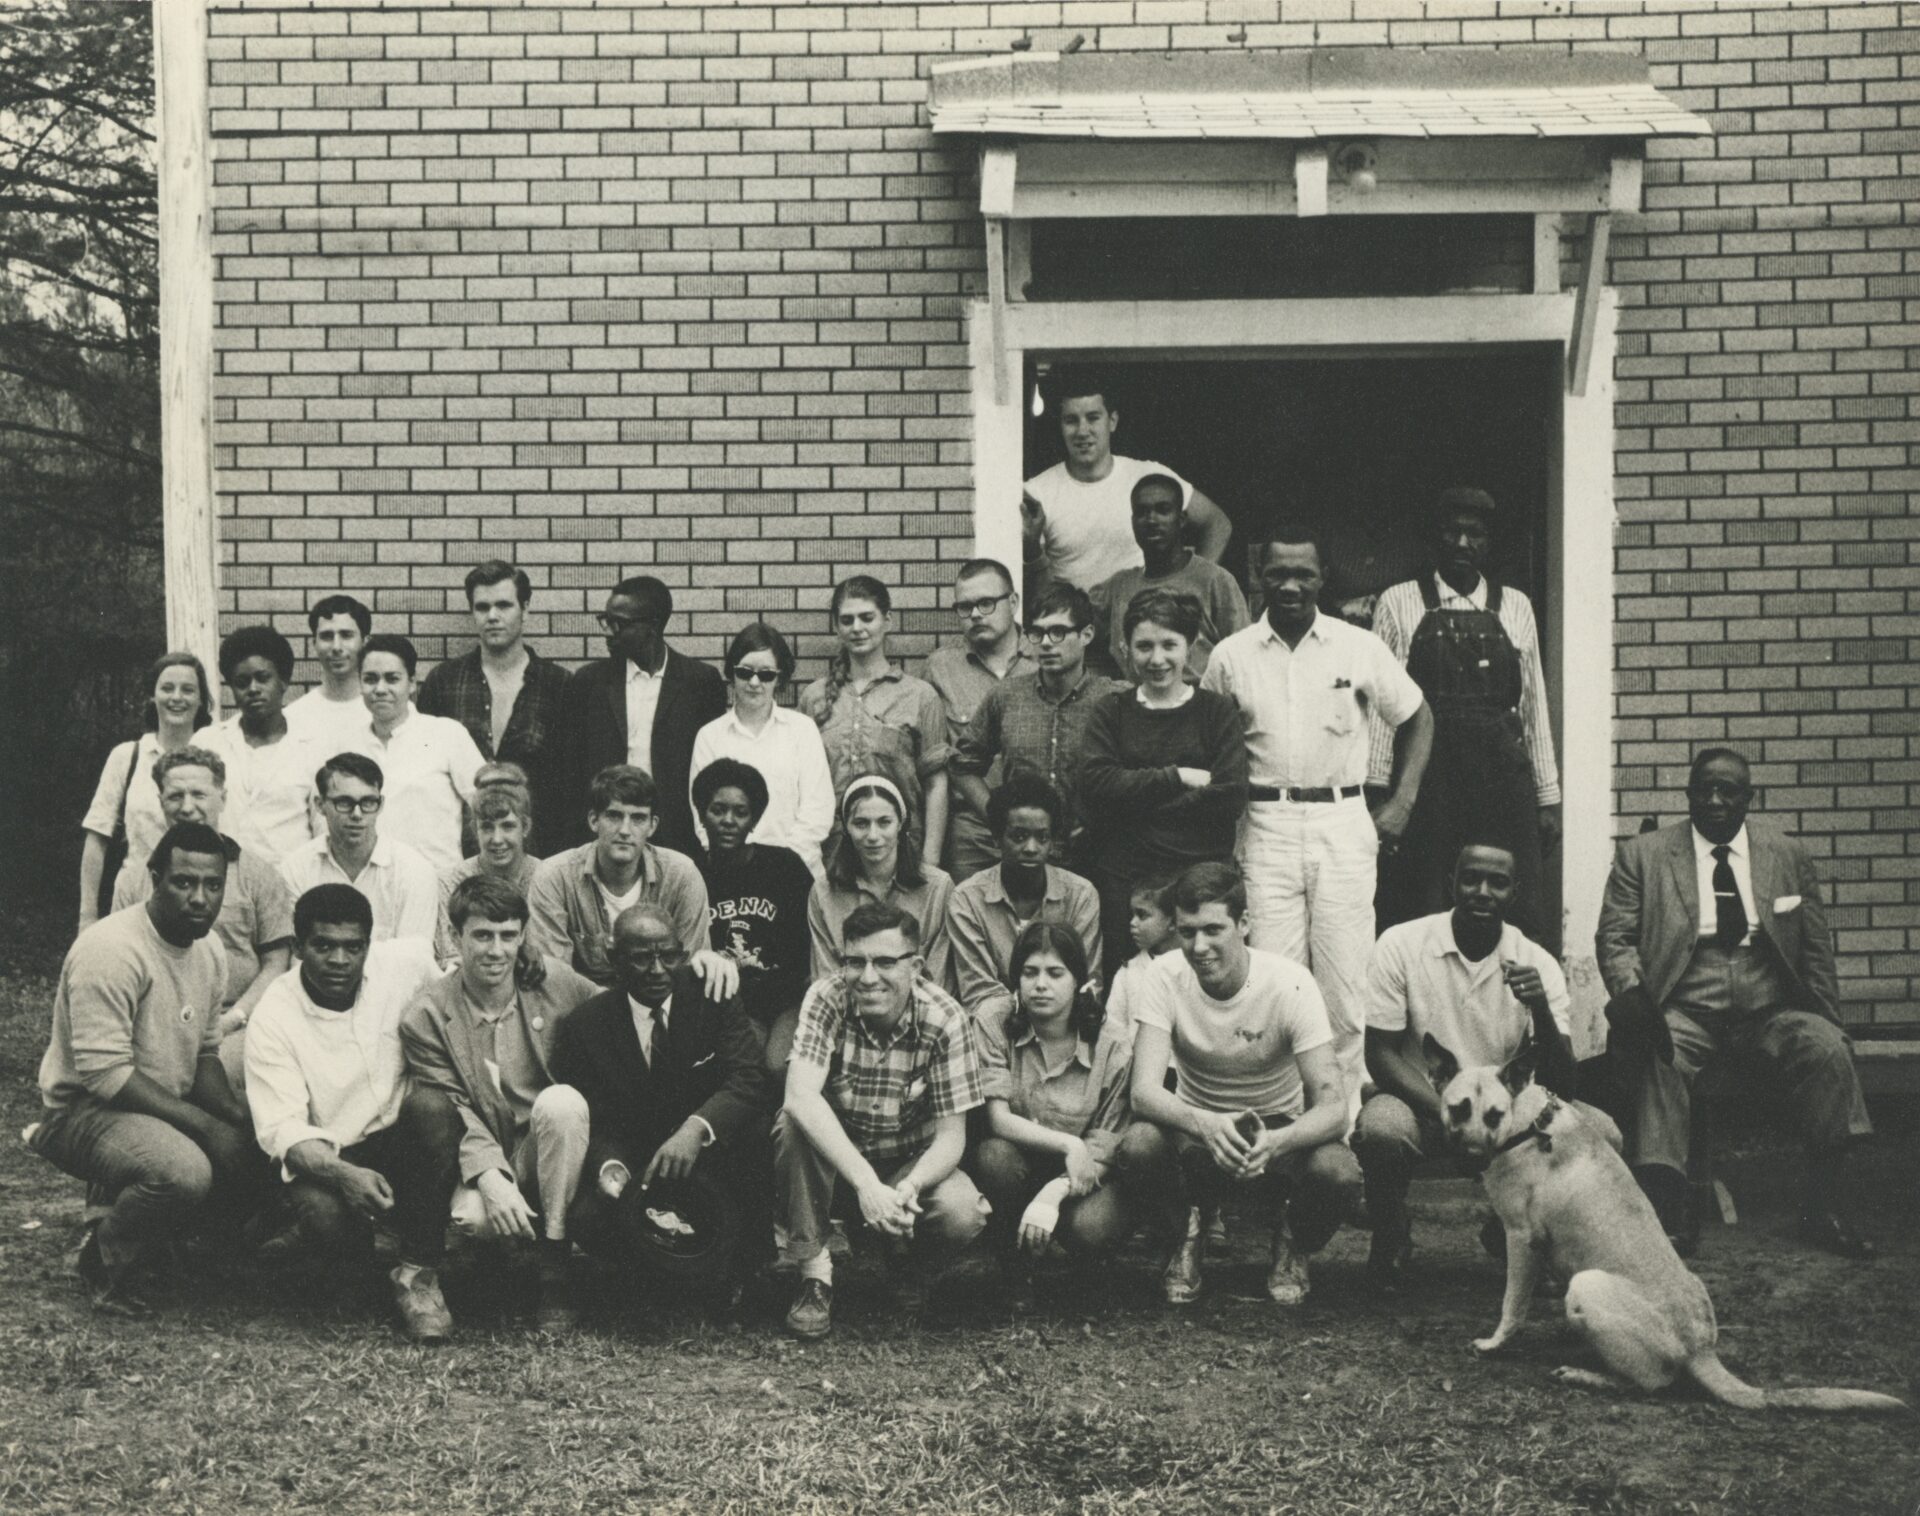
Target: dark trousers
{"points": [[1314, 1191], [741, 1169], [419, 1156], [1010, 1176]]}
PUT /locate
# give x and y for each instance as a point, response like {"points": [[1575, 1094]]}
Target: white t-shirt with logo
{"points": [[1089, 530]]}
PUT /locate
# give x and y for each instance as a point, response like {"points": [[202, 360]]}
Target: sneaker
{"points": [[1287, 1281], [810, 1317], [1181, 1282], [109, 1291], [423, 1309]]}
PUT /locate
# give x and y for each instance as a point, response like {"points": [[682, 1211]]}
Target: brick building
{"points": [[696, 289]]}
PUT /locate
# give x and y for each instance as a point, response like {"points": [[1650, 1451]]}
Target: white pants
{"points": [[1310, 876], [546, 1164]]}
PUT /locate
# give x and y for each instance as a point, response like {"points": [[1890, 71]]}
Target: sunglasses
{"points": [[757, 676]]}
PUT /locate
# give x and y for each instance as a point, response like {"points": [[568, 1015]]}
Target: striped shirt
{"points": [[889, 1091], [1400, 612]]}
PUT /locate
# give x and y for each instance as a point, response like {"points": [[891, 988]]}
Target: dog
{"points": [[1570, 1205]]}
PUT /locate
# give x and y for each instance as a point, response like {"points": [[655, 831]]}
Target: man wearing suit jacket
{"points": [[675, 1086], [483, 1037], [643, 704], [1713, 936]]}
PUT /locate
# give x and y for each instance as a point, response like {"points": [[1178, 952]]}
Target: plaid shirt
{"points": [[458, 689], [1035, 735], [889, 1092]]}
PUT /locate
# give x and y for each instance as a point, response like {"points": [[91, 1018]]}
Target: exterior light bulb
{"points": [[1039, 406]]}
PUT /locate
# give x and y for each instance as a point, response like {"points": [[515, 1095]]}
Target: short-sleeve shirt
{"points": [[1087, 1097], [830, 903], [334, 726], [1305, 709], [1418, 978], [397, 881], [893, 724], [889, 1090], [145, 823], [269, 809], [256, 914], [130, 1001], [1237, 1054], [1089, 531], [429, 764]]}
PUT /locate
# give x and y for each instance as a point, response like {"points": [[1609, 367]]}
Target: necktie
{"points": [[1731, 916]]}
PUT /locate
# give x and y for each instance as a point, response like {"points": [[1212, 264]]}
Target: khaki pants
{"points": [[546, 1164]]}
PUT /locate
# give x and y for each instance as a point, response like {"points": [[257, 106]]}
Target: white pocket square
{"points": [[700, 1063], [1785, 903]]}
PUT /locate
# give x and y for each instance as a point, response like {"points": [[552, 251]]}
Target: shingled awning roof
{"points": [[1305, 95]]}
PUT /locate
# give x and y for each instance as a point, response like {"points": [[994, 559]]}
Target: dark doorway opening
{"points": [[1359, 446]]}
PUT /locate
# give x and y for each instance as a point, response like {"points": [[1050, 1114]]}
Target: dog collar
{"points": [[1537, 1132]]}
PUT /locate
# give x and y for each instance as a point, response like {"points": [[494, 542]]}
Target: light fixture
{"points": [[1358, 164]]}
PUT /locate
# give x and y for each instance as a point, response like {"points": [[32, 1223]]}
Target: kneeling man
{"points": [[1258, 1102], [882, 1075], [678, 1096], [1471, 979], [331, 1104], [483, 1037]]}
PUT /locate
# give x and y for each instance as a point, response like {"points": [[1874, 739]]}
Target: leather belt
{"points": [[1316, 795]]}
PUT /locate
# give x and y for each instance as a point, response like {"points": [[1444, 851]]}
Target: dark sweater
{"points": [[757, 896], [1144, 820]]}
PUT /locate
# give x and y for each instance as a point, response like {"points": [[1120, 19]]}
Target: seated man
{"points": [[577, 895], [669, 1074], [1474, 981], [136, 1101], [1259, 1101], [986, 914], [255, 924], [483, 1037], [398, 882], [327, 1084], [882, 1075], [1713, 935]]}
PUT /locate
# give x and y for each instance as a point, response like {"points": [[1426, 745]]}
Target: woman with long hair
{"points": [[1163, 773], [876, 718], [1055, 1076], [781, 745], [871, 860], [127, 801]]}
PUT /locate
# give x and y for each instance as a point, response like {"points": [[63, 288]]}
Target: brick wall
{"points": [[681, 289]]}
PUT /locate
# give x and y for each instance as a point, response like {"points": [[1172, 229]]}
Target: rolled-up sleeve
{"points": [[100, 1008]]}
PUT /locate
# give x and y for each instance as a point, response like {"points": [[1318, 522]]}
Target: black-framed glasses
{"points": [[985, 606], [614, 625], [756, 676], [1052, 636], [854, 965], [347, 805]]}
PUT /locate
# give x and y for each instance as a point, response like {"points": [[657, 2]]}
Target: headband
{"points": [[878, 782]]}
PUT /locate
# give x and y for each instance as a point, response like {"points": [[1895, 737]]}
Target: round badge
{"points": [[539, 1022]]}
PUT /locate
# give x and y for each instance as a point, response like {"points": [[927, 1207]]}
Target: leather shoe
{"points": [[1832, 1231], [811, 1314], [423, 1309]]}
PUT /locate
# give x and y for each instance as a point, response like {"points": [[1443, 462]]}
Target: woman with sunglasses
{"points": [[127, 801], [876, 718], [782, 745], [871, 859]]}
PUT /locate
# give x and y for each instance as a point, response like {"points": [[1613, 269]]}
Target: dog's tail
{"points": [[1723, 1385]]}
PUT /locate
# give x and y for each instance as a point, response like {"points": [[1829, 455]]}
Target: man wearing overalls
{"points": [[1472, 647]]}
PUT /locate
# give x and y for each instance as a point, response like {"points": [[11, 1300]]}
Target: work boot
{"points": [[1287, 1281], [423, 1309], [810, 1317], [109, 1291], [1181, 1281]]}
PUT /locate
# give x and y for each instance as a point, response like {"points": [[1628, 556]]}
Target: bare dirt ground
{"points": [[251, 1394]]}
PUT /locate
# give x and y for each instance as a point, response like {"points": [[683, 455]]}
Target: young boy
{"points": [[1159, 514], [1151, 927]]}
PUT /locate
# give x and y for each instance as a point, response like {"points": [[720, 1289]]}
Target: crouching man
{"points": [[331, 1105], [882, 1075], [1471, 979], [679, 1173], [483, 1036], [1259, 1104]]}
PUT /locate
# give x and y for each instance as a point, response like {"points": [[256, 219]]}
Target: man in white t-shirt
{"points": [[1259, 1100], [1078, 515], [1479, 987], [332, 714]]}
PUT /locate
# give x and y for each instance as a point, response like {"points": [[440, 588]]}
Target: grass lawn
{"points": [[248, 1394]]}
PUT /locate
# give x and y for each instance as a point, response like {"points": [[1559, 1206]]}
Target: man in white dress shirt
{"points": [[1306, 684], [327, 1085], [397, 881], [429, 761]]}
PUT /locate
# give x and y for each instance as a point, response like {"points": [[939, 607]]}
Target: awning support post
{"points": [[998, 166], [1586, 310]]}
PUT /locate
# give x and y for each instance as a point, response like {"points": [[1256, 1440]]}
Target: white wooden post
{"points": [[186, 327]]}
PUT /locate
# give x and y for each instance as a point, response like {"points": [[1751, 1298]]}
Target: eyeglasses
{"points": [[1714, 789], [1052, 636], [854, 967], [966, 610], [756, 676], [666, 958], [613, 625], [347, 805]]}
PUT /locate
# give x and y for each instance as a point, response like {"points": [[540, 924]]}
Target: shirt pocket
{"points": [[1340, 708]]}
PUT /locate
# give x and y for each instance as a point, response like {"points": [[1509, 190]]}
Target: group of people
{"points": [[1073, 935]]}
